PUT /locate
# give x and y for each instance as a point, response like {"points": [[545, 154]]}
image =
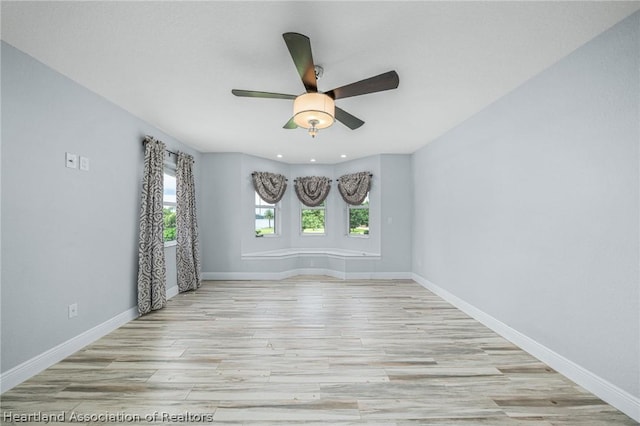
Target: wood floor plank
{"points": [[310, 350]]}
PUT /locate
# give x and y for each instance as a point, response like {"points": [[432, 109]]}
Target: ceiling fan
{"points": [[315, 110]]}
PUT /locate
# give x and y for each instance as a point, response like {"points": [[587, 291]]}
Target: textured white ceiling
{"points": [[174, 63]]}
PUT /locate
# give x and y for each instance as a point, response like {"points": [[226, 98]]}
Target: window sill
{"points": [[289, 253], [170, 244]]}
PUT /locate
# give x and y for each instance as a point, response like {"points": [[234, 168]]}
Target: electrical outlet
{"points": [[73, 310]]}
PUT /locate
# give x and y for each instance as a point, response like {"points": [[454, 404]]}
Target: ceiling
{"points": [[174, 63]]}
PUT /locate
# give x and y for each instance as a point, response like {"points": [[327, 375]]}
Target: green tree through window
{"points": [[359, 219], [169, 214], [169, 204], [269, 216], [313, 219]]}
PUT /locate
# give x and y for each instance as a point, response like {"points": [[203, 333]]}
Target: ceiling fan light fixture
{"points": [[314, 111]]}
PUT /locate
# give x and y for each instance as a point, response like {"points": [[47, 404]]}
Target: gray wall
{"points": [[221, 220], [397, 212], [529, 210], [67, 236]]}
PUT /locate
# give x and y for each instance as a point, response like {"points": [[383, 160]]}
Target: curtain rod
{"points": [[147, 137], [254, 173], [370, 174]]}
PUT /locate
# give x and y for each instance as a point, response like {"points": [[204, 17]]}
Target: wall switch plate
{"points": [[73, 310], [71, 160], [84, 164]]}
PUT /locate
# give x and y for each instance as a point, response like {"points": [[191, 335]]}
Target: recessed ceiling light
{"points": [[343, 155], [313, 160], [279, 155]]}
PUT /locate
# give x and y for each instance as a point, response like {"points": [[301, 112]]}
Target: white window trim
{"points": [[276, 210], [348, 217], [348, 220], [170, 169]]}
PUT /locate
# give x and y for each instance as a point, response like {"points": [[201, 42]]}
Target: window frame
{"points": [[322, 207], [276, 213], [170, 170], [362, 206]]}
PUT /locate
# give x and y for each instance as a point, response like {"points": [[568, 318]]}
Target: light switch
{"points": [[71, 160], [84, 164]]}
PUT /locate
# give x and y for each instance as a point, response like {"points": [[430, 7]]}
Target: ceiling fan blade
{"points": [[300, 49], [347, 119], [386, 81], [255, 94], [290, 124]]}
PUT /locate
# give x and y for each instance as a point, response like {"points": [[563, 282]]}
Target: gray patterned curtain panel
{"points": [[152, 282], [354, 187], [188, 249], [269, 186], [312, 190]]}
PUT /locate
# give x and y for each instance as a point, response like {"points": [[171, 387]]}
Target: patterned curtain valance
{"points": [[354, 187], [312, 190], [269, 186]]}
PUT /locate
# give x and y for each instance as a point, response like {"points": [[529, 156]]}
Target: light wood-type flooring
{"points": [[307, 350]]}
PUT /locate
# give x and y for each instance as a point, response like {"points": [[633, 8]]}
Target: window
{"points": [[266, 217], [169, 205], [359, 219], [313, 219]]}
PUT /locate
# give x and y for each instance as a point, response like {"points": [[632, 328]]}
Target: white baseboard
{"points": [[379, 276], [273, 276], [268, 276], [603, 389], [311, 252], [39, 363], [35, 365], [172, 291], [317, 271], [620, 399], [242, 276]]}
